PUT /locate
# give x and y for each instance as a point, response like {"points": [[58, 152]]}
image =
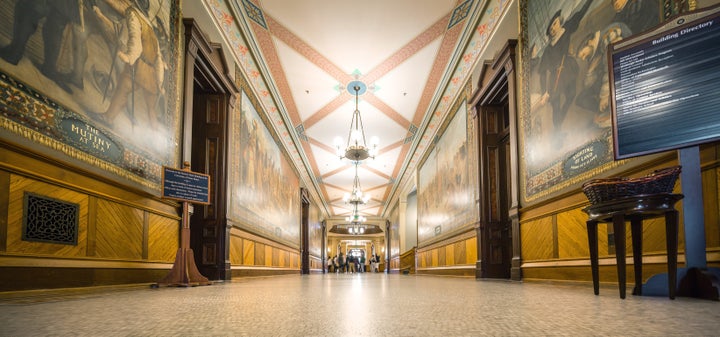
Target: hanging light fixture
{"points": [[356, 197], [355, 222], [356, 148]]}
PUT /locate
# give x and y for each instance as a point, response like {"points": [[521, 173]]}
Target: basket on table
{"points": [[604, 190]]}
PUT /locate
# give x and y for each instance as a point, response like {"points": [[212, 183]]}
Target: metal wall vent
{"points": [[49, 220]]}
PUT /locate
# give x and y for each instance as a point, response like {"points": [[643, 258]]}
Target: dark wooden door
{"points": [[208, 222], [496, 241], [305, 232]]}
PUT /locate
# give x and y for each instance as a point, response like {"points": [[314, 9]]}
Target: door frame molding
{"points": [[205, 66], [496, 84]]}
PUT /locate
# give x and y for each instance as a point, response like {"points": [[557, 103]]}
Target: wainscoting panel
{"points": [[15, 244], [269, 256], [537, 239], [460, 253], [163, 238], [236, 250], [449, 255], [122, 235], [259, 255], [119, 231], [248, 252], [654, 236], [472, 249], [711, 200], [572, 234], [455, 256], [252, 255]]}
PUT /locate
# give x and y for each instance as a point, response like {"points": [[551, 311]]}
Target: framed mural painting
{"points": [[93, 81], [265, 188], [315, 229], [446, 193], [394, 233], [565, 120]]}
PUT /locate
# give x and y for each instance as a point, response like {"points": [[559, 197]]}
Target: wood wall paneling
{"points": [[248, 252], [654, 237], [441, 259], [572, 234], [259, 254], [268, 256], [119, 231], [275, 257], [450, 255], [537, 239], [460, 253], [472, 248], [236, 250], [163, 238], [18, 186], [145, 235], [4, 206], [608, 274], [81, 182], [91, 247], [710, 159], [711, 201], [284, 258]]}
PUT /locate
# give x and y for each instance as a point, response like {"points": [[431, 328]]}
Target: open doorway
{"points": [[208, 100], [495, 118]]}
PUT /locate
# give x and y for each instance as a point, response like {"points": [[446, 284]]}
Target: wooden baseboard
{"points": [[34, 278], [238, 272]]}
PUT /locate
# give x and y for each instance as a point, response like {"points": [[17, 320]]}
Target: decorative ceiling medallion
{"points": [[350, 87]]}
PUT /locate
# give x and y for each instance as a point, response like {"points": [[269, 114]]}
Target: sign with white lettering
{"points": [[664, 87], [90, 139], [185, 186]]}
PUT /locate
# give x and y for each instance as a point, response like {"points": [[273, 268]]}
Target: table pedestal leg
{"points": [[636, 230], [671, 235], [619, 229], [593, 244]]}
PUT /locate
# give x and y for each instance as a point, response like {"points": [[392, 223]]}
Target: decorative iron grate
{"points": [[49, 220]]}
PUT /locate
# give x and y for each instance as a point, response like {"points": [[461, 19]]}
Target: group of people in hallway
{"points": [[352, 264]]}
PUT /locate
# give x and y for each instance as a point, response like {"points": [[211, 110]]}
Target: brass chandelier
{"points": [[356, 147]]}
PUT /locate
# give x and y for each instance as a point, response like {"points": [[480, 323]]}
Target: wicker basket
{"points": [[604, 190]]}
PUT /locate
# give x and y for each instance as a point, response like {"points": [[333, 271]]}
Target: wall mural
{"points": [[565, 122], [394, 232], [93, 80], [264, 188], [315, 228], [445, 194]]}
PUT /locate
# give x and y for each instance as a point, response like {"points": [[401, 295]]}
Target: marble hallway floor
{"points": [[358, 305]]}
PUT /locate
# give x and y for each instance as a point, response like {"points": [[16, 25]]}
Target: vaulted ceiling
{"points": [[311, 53]]}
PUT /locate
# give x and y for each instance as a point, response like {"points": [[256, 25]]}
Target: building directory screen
{"points": [[665, 87]]}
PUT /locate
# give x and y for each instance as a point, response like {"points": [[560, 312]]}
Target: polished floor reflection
{"points": [[356, 305]]}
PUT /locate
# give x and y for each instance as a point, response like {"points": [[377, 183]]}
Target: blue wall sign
{"points": [[185, 186]]}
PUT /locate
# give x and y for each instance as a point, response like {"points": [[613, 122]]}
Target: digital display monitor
{"points": [[665, 86]]}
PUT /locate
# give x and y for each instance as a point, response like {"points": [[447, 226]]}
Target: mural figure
{"points": [[638, 15], [62, 18], [594, 95], [142, 71], [558, 68]]}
